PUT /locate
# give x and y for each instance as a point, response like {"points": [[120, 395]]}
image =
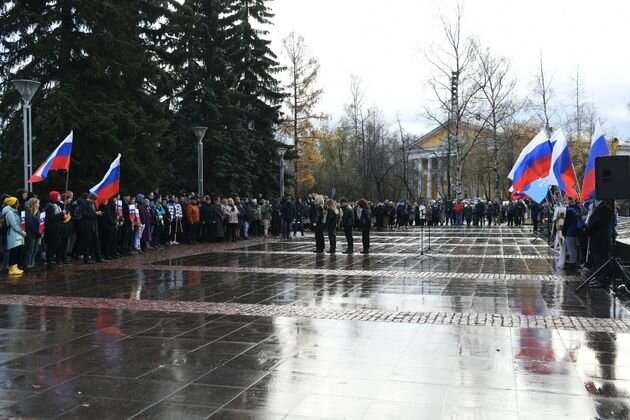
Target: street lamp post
{"points": [[281, 151], [200, 132], [27, 89]]}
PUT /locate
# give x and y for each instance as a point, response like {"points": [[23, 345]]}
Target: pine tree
{"points": [[257, 92], [201, 97]]}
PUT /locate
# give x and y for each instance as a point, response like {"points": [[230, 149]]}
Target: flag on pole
{"points": [[108, 187], [562, 173], [599, 148], [532, 164], [59, 159]]}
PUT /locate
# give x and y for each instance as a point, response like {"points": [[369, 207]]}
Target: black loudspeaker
{"points": [[612, 177]]}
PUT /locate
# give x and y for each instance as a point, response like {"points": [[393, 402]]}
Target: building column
{"points": [[419, 163], [430, 178]]}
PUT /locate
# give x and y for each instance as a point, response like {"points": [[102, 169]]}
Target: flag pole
{"points": [[67, 179]]}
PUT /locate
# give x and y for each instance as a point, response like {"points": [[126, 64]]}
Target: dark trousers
{"points": [[319, 238], [90, 246], [125, 239], [332, 238], [108, 243], [15, 255], [52, 245], [347, 230], [365, 238]]}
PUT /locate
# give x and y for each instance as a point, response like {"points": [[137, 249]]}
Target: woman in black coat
{"points": [[332, 220], [318, 224], [365, 221]]}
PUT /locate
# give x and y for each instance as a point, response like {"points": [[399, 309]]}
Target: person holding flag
{"points": [[52, 235], [599, 148]]}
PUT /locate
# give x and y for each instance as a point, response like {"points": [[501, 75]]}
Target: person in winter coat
{"points": [[459, 212], [192, 219], [54, 222], [108, 223], [347, 223], [265, 214], [15, 234], [232, 213], [332, 220], [89, 229], [366, 223], [318, 224], [33, 234]]}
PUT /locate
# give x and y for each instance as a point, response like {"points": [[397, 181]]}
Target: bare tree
{"points": [[456, 89], [541, 103], [500, 107]]}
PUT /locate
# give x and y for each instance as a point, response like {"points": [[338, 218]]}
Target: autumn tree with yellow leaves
{"points": [[302, 98]]}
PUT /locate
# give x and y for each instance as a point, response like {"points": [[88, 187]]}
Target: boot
{"points": [[14, 270]]}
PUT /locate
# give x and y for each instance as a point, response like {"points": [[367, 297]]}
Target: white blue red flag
{"points": [[562, 172], [59, 159], [532, 165], [599, 148], [108, 187]]}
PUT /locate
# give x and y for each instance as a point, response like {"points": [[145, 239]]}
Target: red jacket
{"points": [[459, 207]]}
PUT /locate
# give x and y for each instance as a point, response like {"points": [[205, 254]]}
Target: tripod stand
{"points": [[614, 265]]}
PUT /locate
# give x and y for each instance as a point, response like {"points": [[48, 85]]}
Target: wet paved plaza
{"points": [[481, 327]]}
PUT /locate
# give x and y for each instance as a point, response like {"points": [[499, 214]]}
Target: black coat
{"points": [[347, 219], [332, 220], [109, 218], [88, 217], [598, 228], [53, 221]]}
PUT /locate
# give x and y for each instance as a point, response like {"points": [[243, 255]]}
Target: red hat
{"points": [[53, 195]]}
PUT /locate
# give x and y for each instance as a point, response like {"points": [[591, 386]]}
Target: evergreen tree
{"points": [[257, 92]]}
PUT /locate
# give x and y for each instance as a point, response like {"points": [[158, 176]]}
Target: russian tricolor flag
{"points": [[59, 159], [599, 148], [562, 172], [532, 164], [108, 187]]}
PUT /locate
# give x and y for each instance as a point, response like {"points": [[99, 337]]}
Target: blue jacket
{"points": [[32, 226], [15, 235]]}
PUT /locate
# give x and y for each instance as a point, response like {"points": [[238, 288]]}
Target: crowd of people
{"points": [[62, 227]]}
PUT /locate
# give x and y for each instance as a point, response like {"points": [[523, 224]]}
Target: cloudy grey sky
{"points": [[383, 43]]}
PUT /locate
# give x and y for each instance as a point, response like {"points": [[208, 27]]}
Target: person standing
{"points": [[318, 224], [67, 229], [89, 230], [15, 234], [332, 220], [299, 217], [347, 222], [459, 212], [192, 219], [365, 221], [108, 222], [569, 231], [54, 223], [33, 234], [265, 214]]}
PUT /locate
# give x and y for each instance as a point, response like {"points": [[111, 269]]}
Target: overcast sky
{"points": [[383, 42]]}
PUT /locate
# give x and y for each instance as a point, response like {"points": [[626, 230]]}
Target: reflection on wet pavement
{"points": [[152, 358]]}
